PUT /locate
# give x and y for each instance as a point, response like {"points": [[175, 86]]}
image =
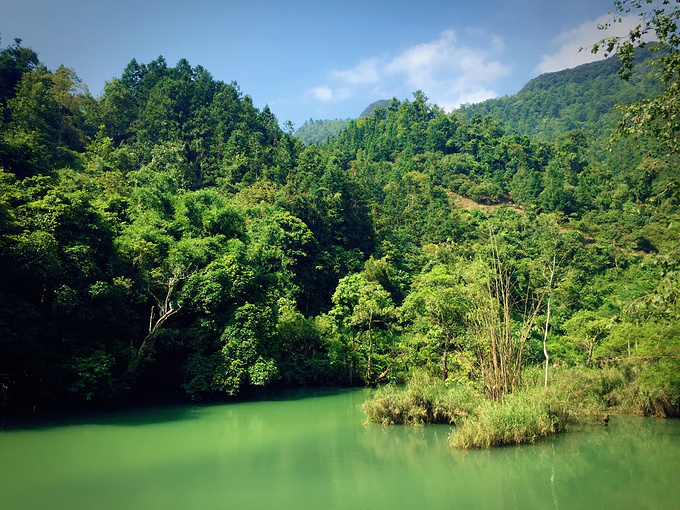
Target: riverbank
{"points": [[575, 395]]}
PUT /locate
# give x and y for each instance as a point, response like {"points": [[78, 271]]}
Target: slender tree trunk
{"points": [[370, 356], [551, 279], [545, 338], [160, 313], [591, 350], [442, 366]]}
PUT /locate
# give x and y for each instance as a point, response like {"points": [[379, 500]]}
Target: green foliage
{"points": [[364, 313], [381, 103], [244, 339], [169, 237], [656, 389], [576, 395], [654, 117], [583, 98], [319, 131], [522, 417], [425, 400], [94, 379]]}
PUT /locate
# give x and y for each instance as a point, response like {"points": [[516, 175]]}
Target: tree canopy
{"points": [[169, 238]]}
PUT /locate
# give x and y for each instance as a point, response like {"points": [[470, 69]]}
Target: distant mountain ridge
{"points": [[583, 98], [318, 131]]}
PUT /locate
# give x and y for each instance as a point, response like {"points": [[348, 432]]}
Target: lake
{"points": [[310, 450]]}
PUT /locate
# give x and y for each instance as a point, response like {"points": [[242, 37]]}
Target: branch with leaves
{"points": [[658, 117]]}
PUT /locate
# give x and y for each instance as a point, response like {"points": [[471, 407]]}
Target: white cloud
{"points": [[364, 72], [424, 58], [449, 72], [584, 36], [323, 94], [476, 96]]}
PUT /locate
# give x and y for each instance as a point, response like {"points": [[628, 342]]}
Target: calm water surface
{"points": [[311, 451]]}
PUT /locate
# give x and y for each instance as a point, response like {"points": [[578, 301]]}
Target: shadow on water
{"points": [[151, 412], [128, 414]]}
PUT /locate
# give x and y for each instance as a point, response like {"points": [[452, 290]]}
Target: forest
{"points": [[169, 239]]}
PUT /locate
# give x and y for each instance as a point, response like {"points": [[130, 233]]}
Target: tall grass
{"points": [[574, 395], [424, 400], [521, 417]]}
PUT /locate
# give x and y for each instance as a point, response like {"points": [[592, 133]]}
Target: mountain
{"points": [[168, 238], [583, 98], [318, 131], [382, 103]]}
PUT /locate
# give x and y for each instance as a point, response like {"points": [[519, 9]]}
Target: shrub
{"points": [[655, 391], [588, 392]]}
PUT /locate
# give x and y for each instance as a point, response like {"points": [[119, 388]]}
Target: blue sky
{"points": [[316, 59]]}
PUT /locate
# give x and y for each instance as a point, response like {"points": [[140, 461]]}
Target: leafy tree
{"points": [[657, 117], [361, 307], [437, 310], [15, 60]]}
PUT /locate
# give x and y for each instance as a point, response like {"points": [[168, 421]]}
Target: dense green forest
{"points": [[168, 238], [584, 98]]}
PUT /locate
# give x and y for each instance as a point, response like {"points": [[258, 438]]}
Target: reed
{"points": [[424, 400], [575, 395], [521, 417]]}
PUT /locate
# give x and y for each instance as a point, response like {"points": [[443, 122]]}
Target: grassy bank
{"points": [[423, 400], [522, 417], [574, 395]]}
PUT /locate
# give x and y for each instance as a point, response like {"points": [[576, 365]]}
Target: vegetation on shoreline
{"points": [[425, 400], [576, 396]]}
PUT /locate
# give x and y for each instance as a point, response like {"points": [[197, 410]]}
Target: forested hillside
{"points": [[168, 238], [582, 98], [318, 131]]}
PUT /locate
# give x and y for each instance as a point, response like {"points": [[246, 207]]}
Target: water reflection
{"points": [[315, 453]]}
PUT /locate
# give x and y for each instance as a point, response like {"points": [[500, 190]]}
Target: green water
{"points": [[313, 452]]}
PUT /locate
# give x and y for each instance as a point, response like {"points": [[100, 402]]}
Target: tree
{"points": [[501, 319], [246, 353], [553, 251], [15, 60], [658, 117], [585, 329], [436, 308], [360, 307]]}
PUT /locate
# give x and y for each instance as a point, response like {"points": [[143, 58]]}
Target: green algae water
{"points": [[311, 451]]}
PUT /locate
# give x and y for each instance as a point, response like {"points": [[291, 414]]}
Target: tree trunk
{"points": [[370, 356], [553, 269], [545, 338], [442, 366]]}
